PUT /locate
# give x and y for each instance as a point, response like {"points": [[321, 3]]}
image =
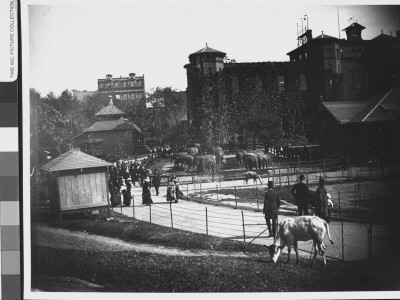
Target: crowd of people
{"points": [[123, 175]]}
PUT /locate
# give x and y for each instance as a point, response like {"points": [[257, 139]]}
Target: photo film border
{"points": [[10, 233]]}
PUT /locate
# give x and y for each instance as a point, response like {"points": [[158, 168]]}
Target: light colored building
{"points": [[123, 88]]}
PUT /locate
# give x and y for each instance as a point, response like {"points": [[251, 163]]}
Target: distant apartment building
{"points": [[123, 88]]}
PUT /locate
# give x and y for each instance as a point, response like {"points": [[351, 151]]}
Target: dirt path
{"points": [[77, 240]]}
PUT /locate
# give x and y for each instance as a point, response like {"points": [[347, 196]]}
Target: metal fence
{"points": [[352, 240]]}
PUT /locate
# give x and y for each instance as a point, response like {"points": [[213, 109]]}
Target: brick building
{"points": [[357, 68], [272, 78], [124, 88], [324, 68]]}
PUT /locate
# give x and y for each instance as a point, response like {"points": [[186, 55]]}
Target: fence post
{"points": [[217, 194], [306, 178], [288, 176], [121, 208], [258, 208], [341, 220], [201, 194], [244, 233], [170, 209], [280, 183], [235, 197], [187, 190], [133, 207], [206, 222]]}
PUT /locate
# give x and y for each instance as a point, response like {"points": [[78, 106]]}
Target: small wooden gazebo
{"points": [[81, 182]]}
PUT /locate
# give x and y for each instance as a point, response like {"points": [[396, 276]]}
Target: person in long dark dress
{"points": [[156, 181], [321, 208], [146, 195], [171, 190]]}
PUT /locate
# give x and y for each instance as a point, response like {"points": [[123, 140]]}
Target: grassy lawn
{"points": [[131, 271]]}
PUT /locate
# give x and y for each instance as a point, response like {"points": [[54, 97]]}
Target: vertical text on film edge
{"points": [[12, 39]]}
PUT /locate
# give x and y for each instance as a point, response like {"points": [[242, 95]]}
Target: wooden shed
{"points": [[81, 182]]}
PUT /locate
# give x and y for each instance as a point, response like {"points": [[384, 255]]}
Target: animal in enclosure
{"points": [[205, 163], [195, 145], [192, 151], [250, 161], [252, 175], [264, 160], [239, 157], [303, 228], [219, 155], [184, 159]]}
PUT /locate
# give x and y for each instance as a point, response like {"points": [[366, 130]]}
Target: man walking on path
{"points": [[272, 203], [301, 195]]}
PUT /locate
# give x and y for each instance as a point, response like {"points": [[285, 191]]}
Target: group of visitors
{"points": [[320, 200], [173, 189]]}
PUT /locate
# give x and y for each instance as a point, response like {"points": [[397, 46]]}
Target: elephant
{"points": [[250, 161], [239, 157], [195, 145], [184, 159], [205, 163], [192, 151], [264, 160], [219, 155]]}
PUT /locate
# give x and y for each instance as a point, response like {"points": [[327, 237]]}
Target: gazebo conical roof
{"points": [[110, 110]]}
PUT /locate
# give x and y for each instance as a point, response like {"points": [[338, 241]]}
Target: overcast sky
{"points": [[71, 46]]}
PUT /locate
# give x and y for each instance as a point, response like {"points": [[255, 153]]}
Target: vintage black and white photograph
{"points": [[211, 147]]}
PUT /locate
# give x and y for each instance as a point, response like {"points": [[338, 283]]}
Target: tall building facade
{"points": [[325, 68], [123, 88], [359, 68]]}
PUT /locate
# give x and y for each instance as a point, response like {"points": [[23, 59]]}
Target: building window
{"points": [[357, 79], [305, 56], [303, 82], [281, 83]]}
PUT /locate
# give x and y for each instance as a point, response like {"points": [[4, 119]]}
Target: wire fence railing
{"points": [[352, 240]]}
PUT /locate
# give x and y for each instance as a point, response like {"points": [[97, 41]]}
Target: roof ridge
{"points": [[379, 103]]}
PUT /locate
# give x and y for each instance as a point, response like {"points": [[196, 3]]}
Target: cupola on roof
{"points": [[207, 49], [110, 110]]}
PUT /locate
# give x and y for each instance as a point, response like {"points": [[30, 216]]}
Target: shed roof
{"points": [[74, 159], [380, 108], [106, 125]]}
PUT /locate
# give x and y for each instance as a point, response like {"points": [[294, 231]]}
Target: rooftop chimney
{"points": [[131, 75], [108, 76]]}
